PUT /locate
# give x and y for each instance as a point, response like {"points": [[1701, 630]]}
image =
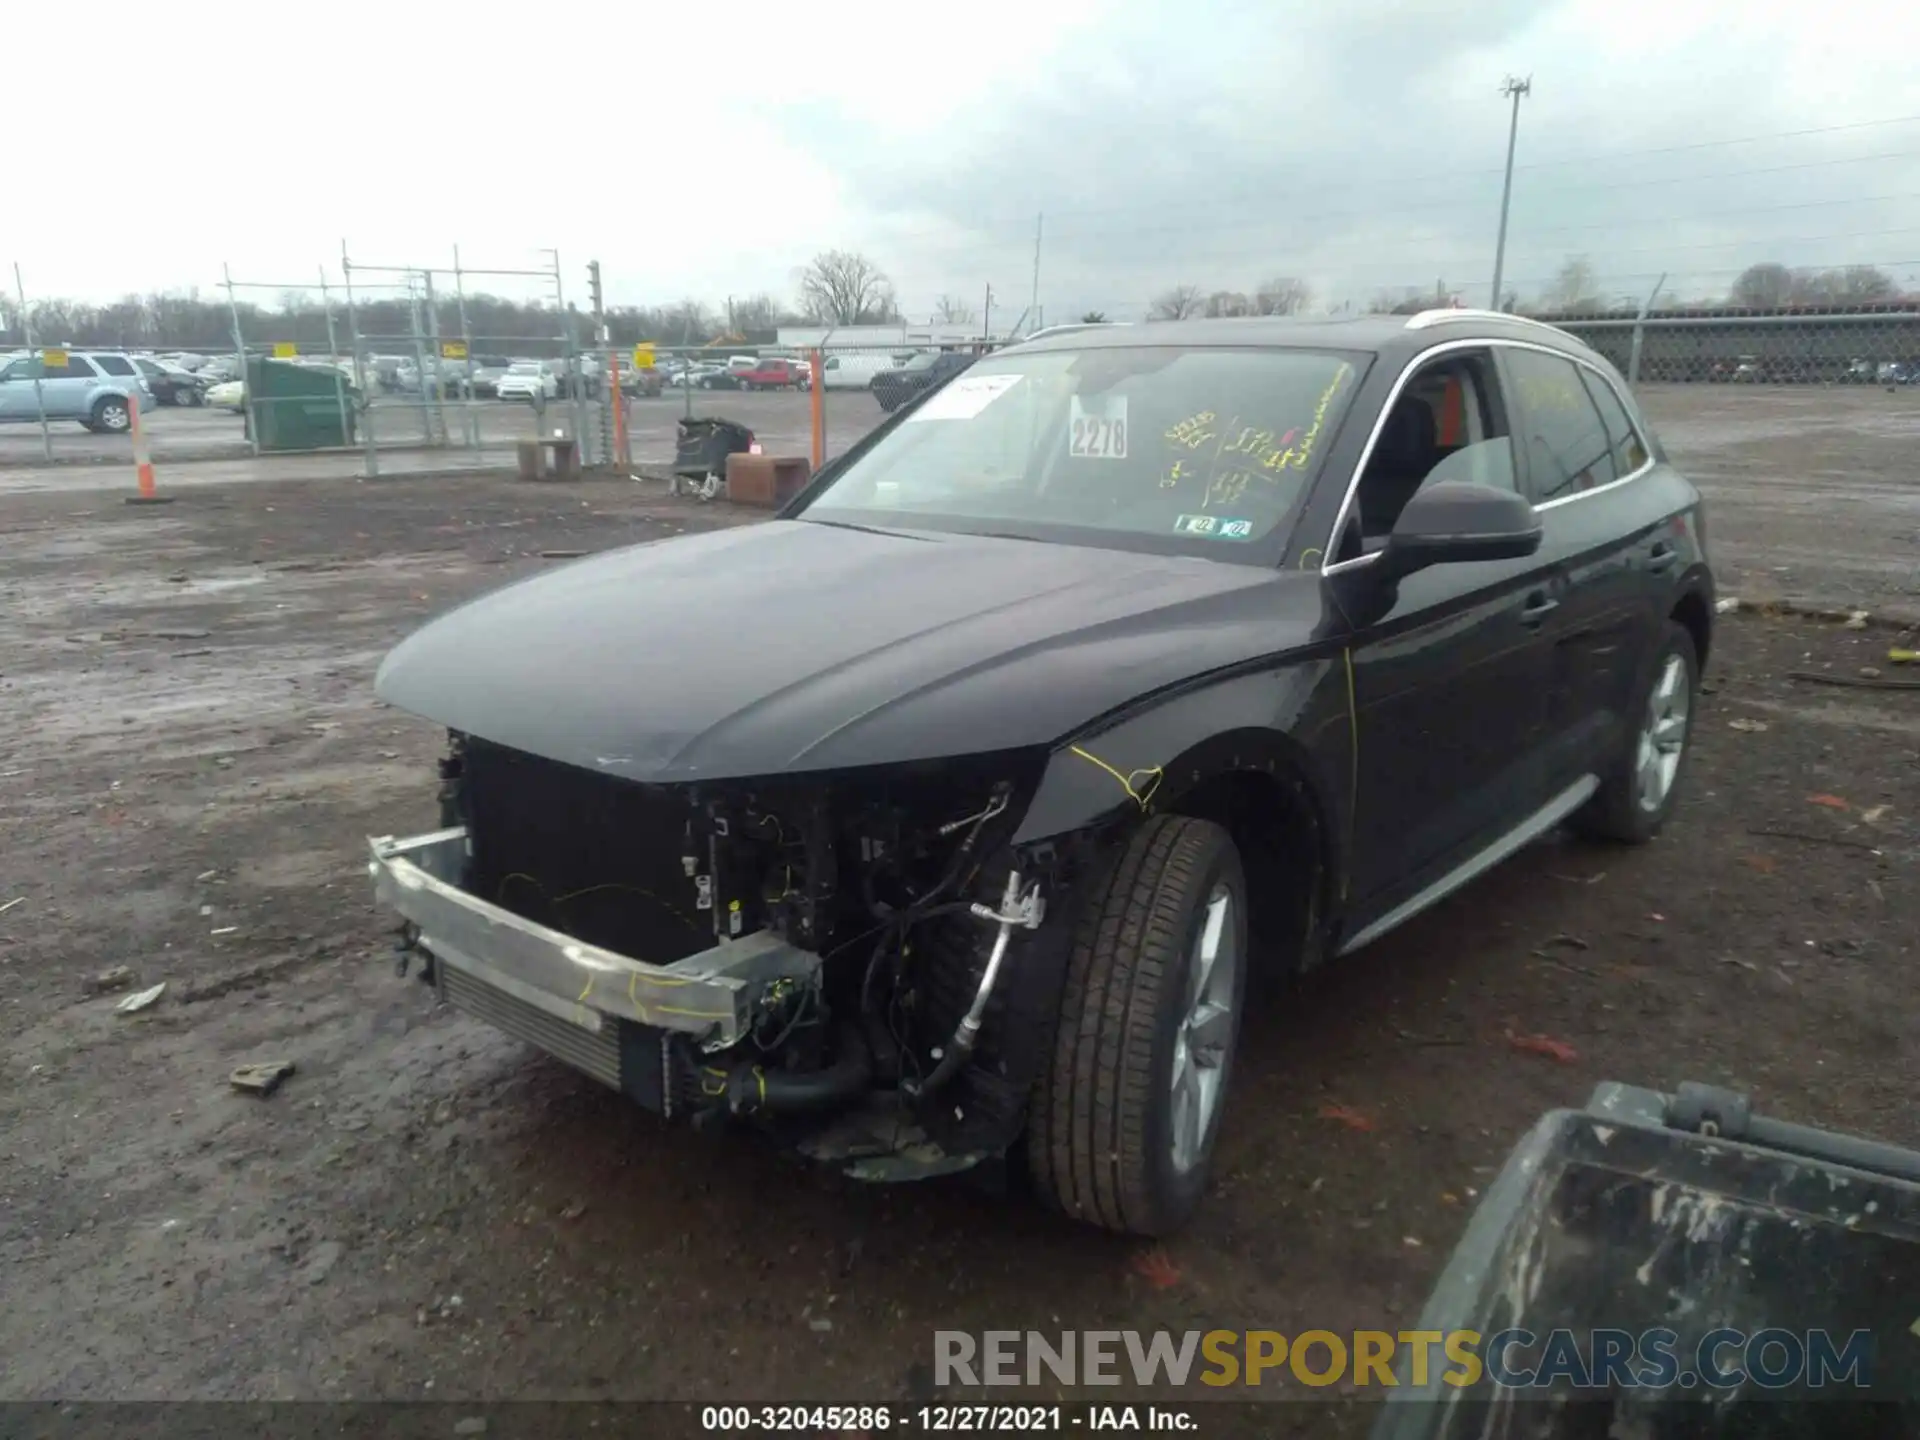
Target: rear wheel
{"points": [[110, 415], [1636, 797], [1125, 1113]]}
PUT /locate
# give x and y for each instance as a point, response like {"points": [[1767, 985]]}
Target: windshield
{"points": [[523, 369], [1190, 444]]}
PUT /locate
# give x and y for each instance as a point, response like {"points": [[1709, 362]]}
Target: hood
{"points": [[790, 646]]}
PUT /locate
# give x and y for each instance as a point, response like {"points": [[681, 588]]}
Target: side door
{"points": [[67, 387], [1449, 678], [16, 389], [1583, 459]]}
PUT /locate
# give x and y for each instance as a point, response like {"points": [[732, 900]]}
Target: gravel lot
{"points": [[426, 1210]]}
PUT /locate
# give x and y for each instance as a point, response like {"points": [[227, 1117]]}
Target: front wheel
{"points": [[1125, 1113], [1637, 795]]}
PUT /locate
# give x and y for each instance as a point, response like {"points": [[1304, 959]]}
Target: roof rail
{"points": [[1441, 317], [1069, 329]]}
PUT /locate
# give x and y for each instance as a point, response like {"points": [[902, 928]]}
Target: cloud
{"points": [[1219, 144]]}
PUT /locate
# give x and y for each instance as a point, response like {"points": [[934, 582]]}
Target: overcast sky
{"points": [[708, 151]]}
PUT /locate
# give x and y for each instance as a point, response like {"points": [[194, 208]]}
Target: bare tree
{"points": [[1765, 286], [688, 323], [759, 312], [1575, 287], [1226, 305], [842, 287], [953, 312], [1179, 303], [1281, 295], [1094, 317]]}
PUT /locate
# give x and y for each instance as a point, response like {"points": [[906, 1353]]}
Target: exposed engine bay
{"points": [[901, 990]]}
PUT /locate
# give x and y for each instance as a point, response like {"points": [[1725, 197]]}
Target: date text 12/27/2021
{"points": [[943, 1419]]}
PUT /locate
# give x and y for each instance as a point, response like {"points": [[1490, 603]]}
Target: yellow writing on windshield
{"points": [[1297, 457], [1192, 432], [1180, 471]]}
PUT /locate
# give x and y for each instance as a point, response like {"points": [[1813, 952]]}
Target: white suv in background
{"points": [[93, 387], [527, 380]]}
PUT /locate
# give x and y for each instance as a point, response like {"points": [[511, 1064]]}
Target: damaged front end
{"points": [[859, 961]]}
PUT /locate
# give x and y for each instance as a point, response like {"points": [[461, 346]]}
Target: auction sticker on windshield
{"points": [[965, 397], [1215, 527], [1099, 428]]}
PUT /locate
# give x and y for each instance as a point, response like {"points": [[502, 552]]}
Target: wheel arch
{"points": [[1693, 610], [1207, 754]]}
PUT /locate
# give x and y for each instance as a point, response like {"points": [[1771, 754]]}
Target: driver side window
{"points": [[1448, 423]]}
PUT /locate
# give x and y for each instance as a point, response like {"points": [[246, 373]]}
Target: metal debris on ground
{"points": [[1856, 621], [1828, 802], [1347, 1116], [1820, 677], [118, 978], [1543, 1045], [17, 900], [261, 1079], [1903, 657], [1156, 1267], [1750, 727], [1726, 606], [140, 1000]]}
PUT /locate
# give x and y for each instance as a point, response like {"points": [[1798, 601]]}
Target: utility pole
{"points": [[1514, 87], [986, 315], [1033, 300]]}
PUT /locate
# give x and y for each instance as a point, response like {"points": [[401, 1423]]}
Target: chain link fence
{"points": [[1787, 347]]}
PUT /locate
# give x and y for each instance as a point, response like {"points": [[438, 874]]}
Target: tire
{"points": [[110, 416], [1102, 1137], [192, 398], [1620, 810]]}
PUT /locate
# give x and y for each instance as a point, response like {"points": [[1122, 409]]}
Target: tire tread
{"points": [[1087, 1139]]}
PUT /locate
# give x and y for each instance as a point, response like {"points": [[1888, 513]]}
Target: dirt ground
{"points": [[428, 1210]]}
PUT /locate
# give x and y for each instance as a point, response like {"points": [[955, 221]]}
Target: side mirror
{"points": [[1452, 522]]}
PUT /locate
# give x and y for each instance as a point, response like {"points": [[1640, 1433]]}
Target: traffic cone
{"points": [[142, 462]]}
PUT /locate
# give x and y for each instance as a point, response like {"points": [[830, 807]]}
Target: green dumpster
{"points": [[299, 407]]}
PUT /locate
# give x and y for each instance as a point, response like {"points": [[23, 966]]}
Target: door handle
{"points": [[1661, 557], [1539, 605]]}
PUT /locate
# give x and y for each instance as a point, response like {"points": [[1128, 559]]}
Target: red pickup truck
{"points": [[775, 375]]}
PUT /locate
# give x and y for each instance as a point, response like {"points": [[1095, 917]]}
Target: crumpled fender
{"points": [[1293, 721]]}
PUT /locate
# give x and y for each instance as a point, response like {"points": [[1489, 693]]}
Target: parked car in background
{"points": [[228, 395], [93, 388], [528, 380], [773, 375], [927, 371], [710, 377], [646, 381], [1210, 702], [850, 371], [487, 370], [170, 383]]}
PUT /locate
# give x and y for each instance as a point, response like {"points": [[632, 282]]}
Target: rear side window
{"points": [[1568, 448], [76, 368], [114, 364], [1629, 451]]}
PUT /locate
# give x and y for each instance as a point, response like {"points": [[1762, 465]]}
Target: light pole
{"points": [[1514, 87]]}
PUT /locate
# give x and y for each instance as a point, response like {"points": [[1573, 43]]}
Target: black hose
{"points": [[753, 1089]]}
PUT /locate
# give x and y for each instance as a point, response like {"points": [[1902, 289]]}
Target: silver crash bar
{"points": [[710, 995]]}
